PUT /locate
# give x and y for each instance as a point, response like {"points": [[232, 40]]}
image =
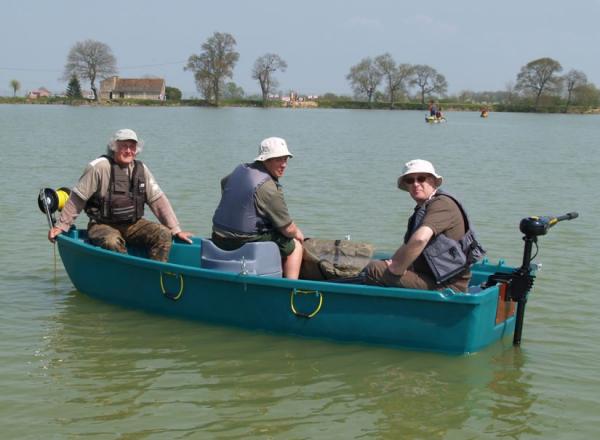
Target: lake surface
{"points": [[74, 367]]}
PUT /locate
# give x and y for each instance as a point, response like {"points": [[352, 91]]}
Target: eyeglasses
{"points": [[411, 180], [123, 146]]}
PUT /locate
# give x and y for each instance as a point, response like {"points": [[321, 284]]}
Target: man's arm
{"points": [[163, 211], [408, 253], [292, 231], [69, 213]]}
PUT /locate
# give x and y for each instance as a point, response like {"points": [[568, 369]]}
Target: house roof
{"points": [[147, 85]]}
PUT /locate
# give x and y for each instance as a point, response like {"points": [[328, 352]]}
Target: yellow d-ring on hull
{"points": [[172, 296], [305, 292]]}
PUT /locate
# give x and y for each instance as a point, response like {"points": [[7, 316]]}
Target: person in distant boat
{"points": [[439, 243], [113, 191], [438, 112], [433, 108], [252, 207]]}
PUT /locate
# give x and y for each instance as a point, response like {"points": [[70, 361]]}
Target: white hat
{"points": [[125, 134], [272, 147], [418, 166]]}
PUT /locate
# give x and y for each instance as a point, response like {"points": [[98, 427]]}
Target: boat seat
{"points": [[474, 289], [257, 258]]}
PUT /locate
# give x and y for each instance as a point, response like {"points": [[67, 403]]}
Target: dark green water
{"points": [[72, 367]]}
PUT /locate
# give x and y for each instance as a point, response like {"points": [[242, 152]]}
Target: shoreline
{"points": [[337, 104]]}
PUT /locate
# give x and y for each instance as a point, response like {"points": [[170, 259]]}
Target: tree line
{"points": [[538, 83], [373, 79]]}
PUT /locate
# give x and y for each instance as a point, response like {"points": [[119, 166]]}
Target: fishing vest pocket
{"points": [[445, 258], [122, 210]]}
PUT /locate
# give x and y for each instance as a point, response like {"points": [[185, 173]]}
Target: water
{"points": [[73, 367]]}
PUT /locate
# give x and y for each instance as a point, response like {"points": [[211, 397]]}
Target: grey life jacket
{"points": [[447, 257], [237, 211], [124, 201]]}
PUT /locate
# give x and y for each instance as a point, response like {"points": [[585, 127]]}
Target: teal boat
{"points": [[238, 291]]}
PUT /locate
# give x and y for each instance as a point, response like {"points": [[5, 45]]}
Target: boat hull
{"points": [[416, 319]]}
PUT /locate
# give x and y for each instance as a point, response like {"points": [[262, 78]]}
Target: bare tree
{"points": [[573, 78], [428, 81], [15, 85], [539, 76], [91, 60], [213, 65], [509, 87], [395, 76], [263, 70], [364, 78]]}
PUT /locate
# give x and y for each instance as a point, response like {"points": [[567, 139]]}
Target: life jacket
{"points": [[125, 199], [447, 257], [237, 211]]}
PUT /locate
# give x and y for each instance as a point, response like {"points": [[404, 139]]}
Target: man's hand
{"points": [[390, 265], [185, 236], [53, 233]]}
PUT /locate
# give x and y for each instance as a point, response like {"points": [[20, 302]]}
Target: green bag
{"points": [[334, 259]]}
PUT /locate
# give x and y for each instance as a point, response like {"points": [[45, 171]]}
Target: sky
{"points": [[476, 45]]}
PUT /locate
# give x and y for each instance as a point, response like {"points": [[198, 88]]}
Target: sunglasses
{"points": [[123, 147], [411, 180]]}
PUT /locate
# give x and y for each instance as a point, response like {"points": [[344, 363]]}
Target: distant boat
{"points": [[434, 119]]}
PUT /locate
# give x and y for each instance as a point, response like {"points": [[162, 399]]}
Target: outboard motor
{"points": [[520, 282]]}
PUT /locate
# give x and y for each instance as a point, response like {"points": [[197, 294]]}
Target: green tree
{"points": [[213, 65], [91, 60], [573, 78], [233, 91], [15, 85], [364, 79], [395, 76], [173, 93], [428, 81], [263, 70], [74, 88], [539, 76], [586, 95]]}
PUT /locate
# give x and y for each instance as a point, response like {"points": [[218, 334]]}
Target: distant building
{"points": [[87, 94], [133, 88], [42, 92]]}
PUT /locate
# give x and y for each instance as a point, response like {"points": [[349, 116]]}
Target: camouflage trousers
{"points": [[154, 238]]}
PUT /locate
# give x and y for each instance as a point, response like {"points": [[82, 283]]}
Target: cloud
{"points": [[364, 23], [426, 22]]}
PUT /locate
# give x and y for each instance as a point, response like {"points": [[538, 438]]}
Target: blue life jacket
{"points": [[237, 210], [446, 257], [125, 199]]}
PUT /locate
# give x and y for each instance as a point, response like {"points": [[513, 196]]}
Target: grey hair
{"points": [[111, 147]]}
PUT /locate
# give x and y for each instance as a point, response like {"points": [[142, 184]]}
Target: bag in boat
{"points": [[334, 259]]}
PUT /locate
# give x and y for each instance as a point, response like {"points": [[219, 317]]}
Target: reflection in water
{"points": [[140, 375], [511, 398]]}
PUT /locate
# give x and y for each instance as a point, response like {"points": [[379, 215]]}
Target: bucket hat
{"points": [[418, 166], [125, 134], [272, 147]]}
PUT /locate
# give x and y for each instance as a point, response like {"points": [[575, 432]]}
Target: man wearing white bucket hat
{"points": [[113, 191], [439, 244], [252, 207]]}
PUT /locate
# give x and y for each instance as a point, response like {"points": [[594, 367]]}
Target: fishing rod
{"points": [[520, 282]]}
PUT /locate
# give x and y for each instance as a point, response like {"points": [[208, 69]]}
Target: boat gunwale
{"points": [[446, 296]]}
